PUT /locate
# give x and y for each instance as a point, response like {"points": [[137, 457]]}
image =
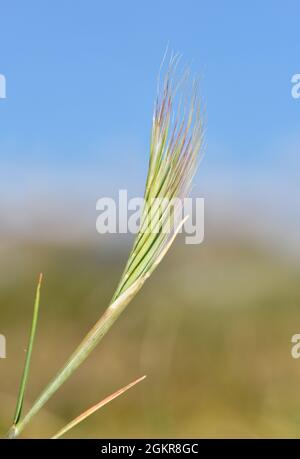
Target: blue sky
{"points": [[81, 79]]}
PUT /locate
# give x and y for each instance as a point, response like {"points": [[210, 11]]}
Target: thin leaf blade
{"points": [[25, 374], [95, 408]]}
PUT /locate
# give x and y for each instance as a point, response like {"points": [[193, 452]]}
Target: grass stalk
{"points": [[81, 353]]}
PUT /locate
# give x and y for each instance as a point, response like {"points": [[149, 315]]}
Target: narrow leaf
{"points": [[28, 353], [95, 408]]}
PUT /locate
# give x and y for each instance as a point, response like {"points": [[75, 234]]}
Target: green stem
{"points": [[92, 339], [82, 352]]}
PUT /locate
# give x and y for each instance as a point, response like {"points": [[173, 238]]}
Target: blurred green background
{"points": [[211, 330]]}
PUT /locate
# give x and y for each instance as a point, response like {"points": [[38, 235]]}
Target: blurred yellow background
{"points": [[211, 330]]}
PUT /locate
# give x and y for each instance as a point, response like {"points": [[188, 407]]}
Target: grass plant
{"points": [[176, 141]]}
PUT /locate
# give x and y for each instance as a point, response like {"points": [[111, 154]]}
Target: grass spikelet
{"points": [[176, 141]]}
